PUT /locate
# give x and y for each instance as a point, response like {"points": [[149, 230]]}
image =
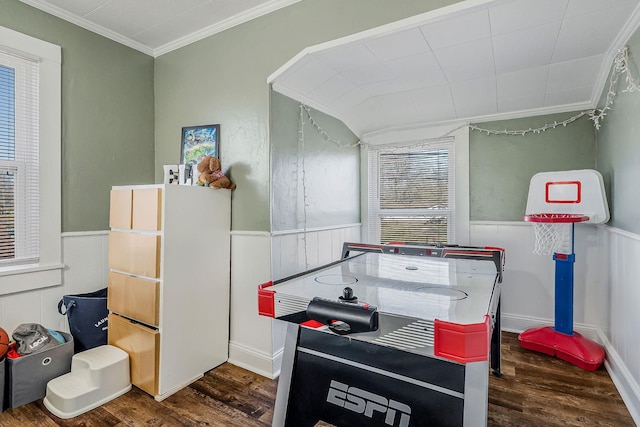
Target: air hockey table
{"points": [[389, 335]]}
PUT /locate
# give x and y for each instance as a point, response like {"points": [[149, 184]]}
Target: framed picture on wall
{"points": [[198, 142]]}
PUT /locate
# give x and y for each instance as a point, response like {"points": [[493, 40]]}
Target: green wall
{"points": [[223, 79], [311, 171], [618, 154], [501, 166], [110, 117], [107, 114]]}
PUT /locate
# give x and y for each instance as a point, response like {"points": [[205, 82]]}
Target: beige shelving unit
{"points": [[169, 266]]}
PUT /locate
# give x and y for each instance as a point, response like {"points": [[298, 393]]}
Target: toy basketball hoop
{"points": [[554, 231], [568, 198]]}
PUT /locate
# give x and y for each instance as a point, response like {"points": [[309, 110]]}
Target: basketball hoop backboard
{"points": [[569, 192]]}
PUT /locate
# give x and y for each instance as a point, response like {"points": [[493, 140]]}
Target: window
{"points": [[413, 196], [418, 191], [30, 163], [19, 201]]}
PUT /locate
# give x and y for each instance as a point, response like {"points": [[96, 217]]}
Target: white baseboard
{"points": [[255, 361], [517, 324], [628, 388]]}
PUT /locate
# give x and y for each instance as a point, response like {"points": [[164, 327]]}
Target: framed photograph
{"points": [[198, 142]]}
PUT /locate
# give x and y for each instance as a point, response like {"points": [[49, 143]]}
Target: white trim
{"points": [[85, 233], [626, 385], [316, 229], [516, 324], [357, 130], [316, 105], [528, 224], [260, 362], [420, 133], [433, 16], [518, 223], [620, 232], [505, 223], [250, 233], [29, 46], [23, 269], [628, 388], [31, 278], [177, 388], [238, 19], [88, 25], [411, 134], [50, 132], [233, 21], [533, 112], [407, 23]]}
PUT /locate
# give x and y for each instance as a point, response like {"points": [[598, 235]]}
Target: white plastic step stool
{"points": [[97, 376]]}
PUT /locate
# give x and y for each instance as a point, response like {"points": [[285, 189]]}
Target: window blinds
{"points": [[412, 197], [19, 160]]}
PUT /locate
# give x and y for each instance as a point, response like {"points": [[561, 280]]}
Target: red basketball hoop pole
{"points": [[562, 341]]}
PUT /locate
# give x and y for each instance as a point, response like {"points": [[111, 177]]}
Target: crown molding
{"points": [[241, 18], [88, 25], [235, 20]]}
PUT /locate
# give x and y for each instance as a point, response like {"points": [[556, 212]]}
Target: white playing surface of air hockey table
{"points": [[391, 335]]}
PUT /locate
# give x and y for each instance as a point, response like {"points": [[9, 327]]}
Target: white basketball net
{"points": [[552, 237]]}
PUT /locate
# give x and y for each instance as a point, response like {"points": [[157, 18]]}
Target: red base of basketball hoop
{"points": [[574, 349], [556, 202]]}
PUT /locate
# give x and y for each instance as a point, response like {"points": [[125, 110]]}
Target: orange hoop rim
{"points": [[556, 218]]}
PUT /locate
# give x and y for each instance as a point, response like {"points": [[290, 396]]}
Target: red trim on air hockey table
{"points": [[266, 297], [462, 343]]}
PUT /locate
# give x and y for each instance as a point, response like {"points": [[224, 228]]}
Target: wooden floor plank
{"points": [[535, 390]]}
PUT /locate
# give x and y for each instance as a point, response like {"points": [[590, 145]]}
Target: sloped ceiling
{"points": [[471, 62]]}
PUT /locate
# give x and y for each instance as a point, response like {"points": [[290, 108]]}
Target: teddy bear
{"points": [[211, 175]]}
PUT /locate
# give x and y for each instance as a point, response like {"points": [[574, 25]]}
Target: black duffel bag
{"points": [[87, 316]]}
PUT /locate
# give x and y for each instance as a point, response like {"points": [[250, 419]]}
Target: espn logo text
{"points": [[366, 403]]}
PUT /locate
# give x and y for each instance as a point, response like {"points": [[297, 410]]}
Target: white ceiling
{"points": [[156, 27], [477, 60]]}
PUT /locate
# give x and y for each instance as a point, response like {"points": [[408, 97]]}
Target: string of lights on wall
{"points": [[620, 67], [324, 134], [301, 148]]}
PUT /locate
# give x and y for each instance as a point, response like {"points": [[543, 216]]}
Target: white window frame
{"points": [[24, 122], [376, 212], [460, 135], [47, 271]]}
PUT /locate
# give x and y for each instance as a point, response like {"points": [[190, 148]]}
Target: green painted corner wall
{"points": [[107, 114], [223, 79], [618, 152], [501, 166], [123, 111], [316, 183]]}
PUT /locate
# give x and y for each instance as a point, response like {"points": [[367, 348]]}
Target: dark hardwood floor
{"points": [[535, 391]]}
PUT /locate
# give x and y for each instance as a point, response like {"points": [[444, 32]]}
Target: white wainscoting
{"points": [[85, 259], [529, 280], [250, 344], [620, 254], [295, 251], [299, 250], [606, 300], [606, 292]]}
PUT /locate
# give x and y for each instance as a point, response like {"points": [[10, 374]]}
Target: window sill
{"points": [[28, 278]]}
